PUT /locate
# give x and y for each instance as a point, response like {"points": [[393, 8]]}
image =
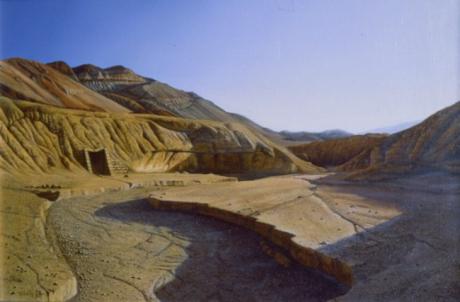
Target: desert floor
{"points": [[101, 240]]}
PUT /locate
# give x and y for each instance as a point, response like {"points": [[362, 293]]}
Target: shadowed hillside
{"points": [[337, 152], [432, 144]]}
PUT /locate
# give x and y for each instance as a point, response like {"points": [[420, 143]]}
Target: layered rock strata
{"points": [[40, 138]]}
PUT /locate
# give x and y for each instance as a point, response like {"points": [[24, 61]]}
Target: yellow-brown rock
{"points": [[42, 138], [29, 80]]}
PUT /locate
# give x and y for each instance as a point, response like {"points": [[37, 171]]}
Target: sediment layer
{"points": [[42, 139]]}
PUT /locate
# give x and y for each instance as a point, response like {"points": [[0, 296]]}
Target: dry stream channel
{"points": [[126, 251]]}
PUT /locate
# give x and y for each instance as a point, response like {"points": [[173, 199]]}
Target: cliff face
{"points": [[40, 138], [70, 112]]}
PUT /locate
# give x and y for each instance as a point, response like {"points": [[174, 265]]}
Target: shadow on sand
{"points": [[225, 262]]}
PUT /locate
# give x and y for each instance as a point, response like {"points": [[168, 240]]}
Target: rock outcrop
{"points": [[52, 116], [41, 138]]}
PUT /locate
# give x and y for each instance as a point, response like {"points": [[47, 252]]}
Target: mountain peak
{"points": [[117, 73], [63, 68]]}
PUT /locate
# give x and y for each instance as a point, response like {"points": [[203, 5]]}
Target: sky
{"points": [[286, 64]]}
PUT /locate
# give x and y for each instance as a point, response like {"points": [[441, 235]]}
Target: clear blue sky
{"points": [[296, 65]]}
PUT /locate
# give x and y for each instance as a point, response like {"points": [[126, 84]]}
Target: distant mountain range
{"points": [[393, 128], [314, 136]]}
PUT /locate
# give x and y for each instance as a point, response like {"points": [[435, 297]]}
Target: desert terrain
{"points": [[117, 187]]}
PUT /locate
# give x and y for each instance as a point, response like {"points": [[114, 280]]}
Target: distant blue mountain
{"points": [[394, 128], [314, 136]]}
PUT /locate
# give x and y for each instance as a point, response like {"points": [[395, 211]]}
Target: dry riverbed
{"points": [[400, 239]]}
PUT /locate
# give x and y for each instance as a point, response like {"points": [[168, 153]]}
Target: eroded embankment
{"points": [[306, 256]]}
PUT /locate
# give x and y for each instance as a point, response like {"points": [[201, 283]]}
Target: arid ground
{"points": [[113, 246], [118, 187]]}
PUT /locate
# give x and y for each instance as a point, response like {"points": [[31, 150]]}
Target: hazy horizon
{"points": [[282, 64]]}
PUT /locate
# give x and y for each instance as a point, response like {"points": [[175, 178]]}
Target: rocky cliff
{"points": [[42, 138], [53, 116]]}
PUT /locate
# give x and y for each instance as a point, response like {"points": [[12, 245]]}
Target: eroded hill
{"points": [[43, 138], [435, 142], [33, 81], [53, 116], [432, 144], [340, 152]]}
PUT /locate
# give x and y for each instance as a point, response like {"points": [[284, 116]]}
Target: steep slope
{"points": [[337, 152], [63, 68], [29, 80], [435, 142], [432, 144], [144, 95], [42, 139]]}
